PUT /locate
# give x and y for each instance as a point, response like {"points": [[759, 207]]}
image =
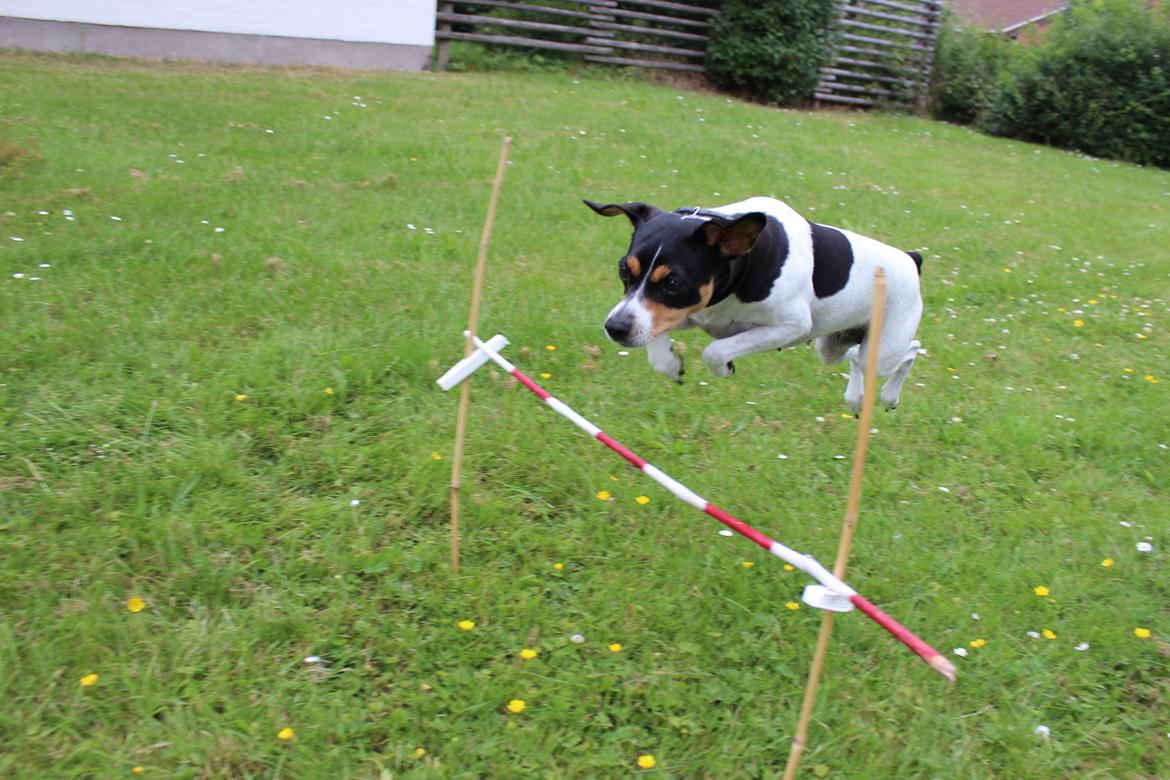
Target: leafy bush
{"points": [[772, 49], [968, 67], [1100, 83]]}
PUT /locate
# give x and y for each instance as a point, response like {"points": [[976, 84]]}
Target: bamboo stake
{"points": [[465, 391], [876, 317]]}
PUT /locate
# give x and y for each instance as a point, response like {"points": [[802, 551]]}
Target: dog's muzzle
{"points": [[618, 328]]}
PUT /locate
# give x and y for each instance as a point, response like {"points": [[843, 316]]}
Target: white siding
{"points": [[380, 21]]}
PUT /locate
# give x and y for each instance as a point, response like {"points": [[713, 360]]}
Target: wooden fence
{"points": [[645, 33], [884, 53]]}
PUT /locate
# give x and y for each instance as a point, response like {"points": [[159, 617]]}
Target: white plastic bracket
{"points": [[467, 366], [822, 598]]}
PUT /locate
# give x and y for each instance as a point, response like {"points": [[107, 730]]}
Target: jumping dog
{"points": [[757, 276]]}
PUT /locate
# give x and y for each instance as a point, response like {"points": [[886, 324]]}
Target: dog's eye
{"points": [[672, 285], [624, 273]]}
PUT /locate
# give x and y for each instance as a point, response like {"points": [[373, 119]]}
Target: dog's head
{"points": [[673, 266]]}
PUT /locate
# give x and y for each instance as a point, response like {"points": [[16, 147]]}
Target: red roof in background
{"points": [[1004, 14]]}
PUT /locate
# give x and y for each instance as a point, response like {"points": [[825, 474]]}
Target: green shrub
{"points": [[1099, 83], [772, 49], [968, 67]]}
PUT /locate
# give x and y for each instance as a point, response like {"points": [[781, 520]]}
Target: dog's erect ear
{"points": [[733, 235], [637, 212]]}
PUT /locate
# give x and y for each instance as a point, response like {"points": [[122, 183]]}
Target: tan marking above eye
{"points": [[660, 273], [634, 266]]}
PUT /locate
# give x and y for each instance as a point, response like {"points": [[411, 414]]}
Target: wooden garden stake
{"points": [[877, 314], [476, 293]]}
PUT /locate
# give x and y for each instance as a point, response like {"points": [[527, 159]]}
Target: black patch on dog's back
{"points": [[832, 260]]}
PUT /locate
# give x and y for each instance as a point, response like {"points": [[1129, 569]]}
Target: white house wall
{"points": [[359, 33]]}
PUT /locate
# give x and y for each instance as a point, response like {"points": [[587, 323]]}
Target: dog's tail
{"points": [[917, 258]]}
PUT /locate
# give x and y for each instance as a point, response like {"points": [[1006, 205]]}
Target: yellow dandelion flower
{"points": [[846, 416], [1151, 379], [1078, 323], [135, 604], [551, 347], [1041, 591], [285, 734], [643, 500], [612, 478], [419, 752], [1142, 633], [793, 605], [646, 761], [138, 770], [1007, 270], [978, 643], [1140, 336], [528, 654], [746, 564], [466, 625], [88, 680], [436, 456], [545, 375], [615, 648], [1049, 633], [603, 495], [241, 397], [558, 566], [789, 567], [516, 706], [1107, 562], [1092, 301], [328, 391], [1127, 370]]}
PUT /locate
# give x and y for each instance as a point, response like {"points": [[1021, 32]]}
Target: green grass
{"points": [[130, 469]]}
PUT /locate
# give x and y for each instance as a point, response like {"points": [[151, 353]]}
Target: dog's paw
{"points": [[722, 370], [853, 401], [669, 364], [717, 362]]}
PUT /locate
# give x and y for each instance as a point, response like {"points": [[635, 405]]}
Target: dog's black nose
{"points": [[618, 329]]}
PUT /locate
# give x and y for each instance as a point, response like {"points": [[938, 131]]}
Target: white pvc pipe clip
{"points": [[467, 366], [822, 598]]}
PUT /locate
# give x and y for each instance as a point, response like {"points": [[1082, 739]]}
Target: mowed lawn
{"points": [[225, 295]]}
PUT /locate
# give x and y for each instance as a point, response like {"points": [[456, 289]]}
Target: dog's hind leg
{"points": [[892, 389], [895, 366], [856, 387]]}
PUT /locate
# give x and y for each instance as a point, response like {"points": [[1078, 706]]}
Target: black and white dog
{"points": [[757, 276]]}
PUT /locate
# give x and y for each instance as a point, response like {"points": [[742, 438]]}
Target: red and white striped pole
{"points": [[839, 594]]}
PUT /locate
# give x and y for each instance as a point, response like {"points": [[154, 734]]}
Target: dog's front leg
{"points": [[719, 354], [663, 359]]}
